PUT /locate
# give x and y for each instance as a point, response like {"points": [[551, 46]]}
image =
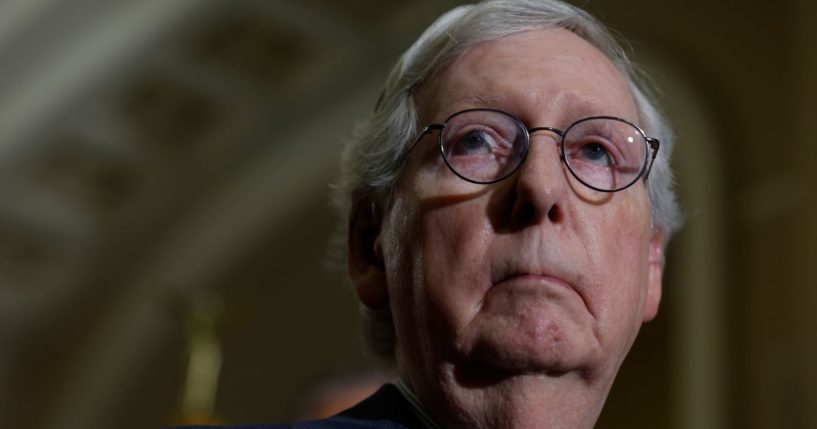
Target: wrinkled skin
{"points": [[514, 303]]}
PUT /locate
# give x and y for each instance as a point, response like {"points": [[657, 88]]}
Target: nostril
{"points": [[526, 213], [555, 214]]}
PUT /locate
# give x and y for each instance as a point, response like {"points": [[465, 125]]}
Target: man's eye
{"points": [[592, 152], [596, 153], [476, 142]]}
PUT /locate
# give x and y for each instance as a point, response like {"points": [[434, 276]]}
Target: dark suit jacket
{"points": [[385, 409]]}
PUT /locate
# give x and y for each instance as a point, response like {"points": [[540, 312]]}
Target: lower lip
{"points": [[535, 278]]}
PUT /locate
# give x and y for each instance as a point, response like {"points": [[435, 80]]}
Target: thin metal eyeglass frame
{"points": [[651, 142]]}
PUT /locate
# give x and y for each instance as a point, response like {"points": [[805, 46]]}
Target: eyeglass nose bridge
{"points": [[556, 131], [553, 130], [529, 138]]}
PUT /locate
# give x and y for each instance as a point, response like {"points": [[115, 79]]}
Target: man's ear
{"points": [[655, 275], [365, 255]]}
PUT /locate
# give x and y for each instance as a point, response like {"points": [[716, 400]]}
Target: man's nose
{"points": [[540, 183]]}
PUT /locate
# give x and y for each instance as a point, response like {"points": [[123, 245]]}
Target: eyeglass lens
{"points": [[485, 146]]}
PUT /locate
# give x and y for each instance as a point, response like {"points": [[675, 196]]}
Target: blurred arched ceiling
{"points": [[153, 152], [148, 150]]}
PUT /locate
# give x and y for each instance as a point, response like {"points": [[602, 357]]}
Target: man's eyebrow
{"points": [[583, 107], [572, 105], [475, 101], [482, 99]]}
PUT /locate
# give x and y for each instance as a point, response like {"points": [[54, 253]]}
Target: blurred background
{"points": [[164, 170]]}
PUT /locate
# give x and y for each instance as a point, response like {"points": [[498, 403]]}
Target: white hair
{"points": [[372, 159]]}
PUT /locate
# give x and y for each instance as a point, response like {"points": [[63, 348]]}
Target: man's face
{"points": [[535, 274]]}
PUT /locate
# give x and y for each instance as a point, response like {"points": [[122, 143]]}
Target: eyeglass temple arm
{"points": [[426, 130], [654, 145]]}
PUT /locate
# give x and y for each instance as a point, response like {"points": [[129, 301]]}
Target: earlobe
{"points": [[655, 275], [365, 255]]}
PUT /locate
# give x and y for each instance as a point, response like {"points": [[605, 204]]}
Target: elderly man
{"points": [[509, 201]]}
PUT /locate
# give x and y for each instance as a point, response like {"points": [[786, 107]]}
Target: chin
{"points": [[549, 349]]}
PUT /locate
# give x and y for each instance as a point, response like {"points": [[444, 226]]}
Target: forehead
{"points": [[543, 76]]}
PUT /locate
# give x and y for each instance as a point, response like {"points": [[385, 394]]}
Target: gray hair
{"points": [[371, 162]]}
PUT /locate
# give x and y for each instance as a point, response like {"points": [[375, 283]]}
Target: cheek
{"points": [[455, 240], [435, 263], [622, 244]]}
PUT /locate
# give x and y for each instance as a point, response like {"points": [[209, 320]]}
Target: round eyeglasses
{"points": [[604, 153]]}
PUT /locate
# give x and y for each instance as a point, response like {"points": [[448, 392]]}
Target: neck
{"points": [[463, 399]]}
